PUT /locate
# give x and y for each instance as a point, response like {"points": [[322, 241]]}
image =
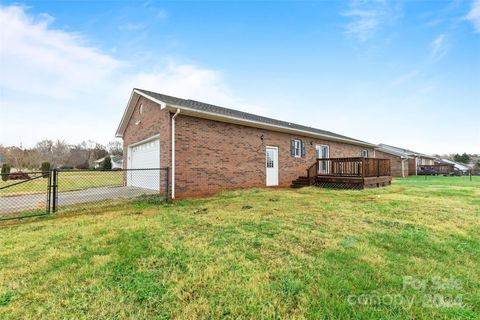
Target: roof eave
{"points": [[136, 94], [392, 152], [262, 125]]}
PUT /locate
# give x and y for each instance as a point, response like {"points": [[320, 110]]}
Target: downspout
{"points": [[416, 166], [403, 168], [173, 152]]}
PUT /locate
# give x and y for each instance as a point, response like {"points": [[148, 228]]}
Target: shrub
{"points": [[5, 171], [45, 167], [18, 176], [107, 163]]}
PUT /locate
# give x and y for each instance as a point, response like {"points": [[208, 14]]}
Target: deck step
{"points": [[300, 182]]}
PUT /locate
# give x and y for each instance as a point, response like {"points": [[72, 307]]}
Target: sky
{"points": [[401, 73]]}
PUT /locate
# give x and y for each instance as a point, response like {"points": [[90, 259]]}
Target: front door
{"points": [[322, 151], [272, 166]]}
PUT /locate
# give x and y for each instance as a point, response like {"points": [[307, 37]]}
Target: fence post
{"points": [[364, 167], [55, 190], [49, 192]]}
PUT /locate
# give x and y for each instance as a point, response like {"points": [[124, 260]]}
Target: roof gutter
{"points": [[173, 152]]}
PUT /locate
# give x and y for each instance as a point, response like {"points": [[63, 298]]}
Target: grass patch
{"points": [[149, 200], [293, 254], [67, 181]]}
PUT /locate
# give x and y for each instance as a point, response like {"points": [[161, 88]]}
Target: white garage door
{"points": [[142, 156]]}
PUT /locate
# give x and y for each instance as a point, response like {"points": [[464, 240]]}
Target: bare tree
{"points": [[60, 153], [115, 148], [45, 150]]}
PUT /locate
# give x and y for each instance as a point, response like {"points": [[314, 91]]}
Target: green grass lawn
{"points": [[408, 251], [67, 181]]}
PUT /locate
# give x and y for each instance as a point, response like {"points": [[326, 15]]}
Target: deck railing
{"points": [[349, 167], [436, 169]]}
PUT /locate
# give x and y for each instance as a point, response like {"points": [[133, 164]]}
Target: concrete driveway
{"points": [[33, 202]]}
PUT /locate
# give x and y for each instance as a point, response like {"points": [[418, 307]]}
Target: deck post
{"points": [[363, 167]]}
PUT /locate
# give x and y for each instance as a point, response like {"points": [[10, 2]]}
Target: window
{"points": [[297, 148], [365, 153], [270, 156]]}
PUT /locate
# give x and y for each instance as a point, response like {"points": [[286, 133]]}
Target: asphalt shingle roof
{"points": [[205, 107], [406, 152]]}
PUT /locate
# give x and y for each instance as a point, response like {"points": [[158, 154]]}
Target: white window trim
{"points": [[320, 147], [299, 149], [365, 153]]}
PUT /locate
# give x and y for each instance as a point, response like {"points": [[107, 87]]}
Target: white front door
{"points": [[144, 156], [322, 151], [272, 166]]}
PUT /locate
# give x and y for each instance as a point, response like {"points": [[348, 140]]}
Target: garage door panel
{"points": [[144, 156]]}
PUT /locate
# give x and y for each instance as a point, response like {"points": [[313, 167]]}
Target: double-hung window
{"points": [[297, 148]]}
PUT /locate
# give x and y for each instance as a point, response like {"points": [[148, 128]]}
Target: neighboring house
{"points": [[117, 162], [459, 167], [414, 159], [399, 161], [215, 148]]}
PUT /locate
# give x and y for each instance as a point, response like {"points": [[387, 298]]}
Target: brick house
{"points": [[404, 162], [216, 148]]}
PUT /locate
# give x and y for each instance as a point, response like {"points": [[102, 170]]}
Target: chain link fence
{"points": [[29, 194], [24, 194]]}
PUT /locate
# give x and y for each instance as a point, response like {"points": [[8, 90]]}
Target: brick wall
{"points": [[152, 121], [395, 163], [212, 156]]}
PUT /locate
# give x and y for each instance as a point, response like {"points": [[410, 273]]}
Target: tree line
{"points": [[462, 158], [59, 154]]}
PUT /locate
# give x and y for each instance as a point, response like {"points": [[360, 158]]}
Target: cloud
{"points": [[132, 26], [65, 88], [474, 15], [367, 17], [439, 46], [38, 59]]}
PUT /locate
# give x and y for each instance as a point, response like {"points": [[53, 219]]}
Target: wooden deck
{"points": [[436, 169], [347, 173]]}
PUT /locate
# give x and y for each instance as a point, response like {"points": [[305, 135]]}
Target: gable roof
{"points": [[405, 152], [458, 165], [392, 152], [210, 111]]}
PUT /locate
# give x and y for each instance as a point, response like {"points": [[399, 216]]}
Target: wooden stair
{"points": [[300, 182]]}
